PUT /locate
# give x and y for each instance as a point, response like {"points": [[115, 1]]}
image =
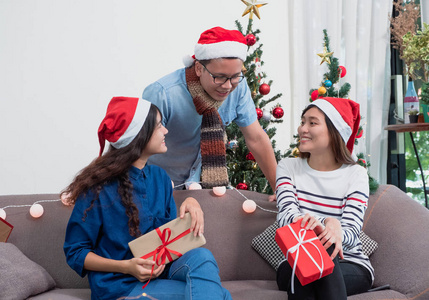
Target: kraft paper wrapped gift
{"points": [[5, 230], [168, 242], [304, 252]]}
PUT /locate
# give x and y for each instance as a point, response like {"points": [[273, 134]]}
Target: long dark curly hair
{"points": [[111, 166]]}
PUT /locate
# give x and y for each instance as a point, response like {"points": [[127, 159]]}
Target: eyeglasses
{"points": [[222, 79]]}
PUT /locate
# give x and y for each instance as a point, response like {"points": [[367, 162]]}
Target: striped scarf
{"points": [[213, 152]]}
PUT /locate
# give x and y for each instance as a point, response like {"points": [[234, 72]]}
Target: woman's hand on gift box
{"points": [[332, 235], [142, 268], [192, 206], [310, 222]]}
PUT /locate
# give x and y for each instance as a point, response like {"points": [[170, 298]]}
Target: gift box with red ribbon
{"points": [[167, 242], [304, 252], [5, 230]]}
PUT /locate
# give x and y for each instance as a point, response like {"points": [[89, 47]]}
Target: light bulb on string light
{"points": [[249, 206], [195, 186], [36, 210], [219, 190]]}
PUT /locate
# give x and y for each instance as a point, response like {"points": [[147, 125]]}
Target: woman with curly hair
{"points": [[118, 198]]}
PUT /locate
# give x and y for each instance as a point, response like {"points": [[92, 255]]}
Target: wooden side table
{"points": [[413, 127]]}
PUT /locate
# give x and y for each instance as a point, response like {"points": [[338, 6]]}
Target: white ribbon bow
{"points": [[300, 238]]}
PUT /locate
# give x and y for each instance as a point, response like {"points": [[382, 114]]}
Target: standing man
{"points": [[196, 103]]}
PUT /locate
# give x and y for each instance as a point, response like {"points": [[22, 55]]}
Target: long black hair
{"points": [[114, 165]]}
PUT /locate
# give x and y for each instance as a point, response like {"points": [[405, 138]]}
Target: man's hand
{"points": [[192, 206]]}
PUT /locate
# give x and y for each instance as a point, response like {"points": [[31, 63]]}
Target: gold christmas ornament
{"points": [[252, 7], [295, 152], [322, 90], [325, 56]]}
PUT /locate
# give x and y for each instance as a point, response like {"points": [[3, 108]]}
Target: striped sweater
{"points": [[342, 194]]}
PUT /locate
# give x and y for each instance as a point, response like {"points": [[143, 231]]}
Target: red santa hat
{"points": [[218, 42], [124, 119], [344, 114]]}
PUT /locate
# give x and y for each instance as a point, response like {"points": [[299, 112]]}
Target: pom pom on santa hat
{"points": [[218, 42], [344, 115]]}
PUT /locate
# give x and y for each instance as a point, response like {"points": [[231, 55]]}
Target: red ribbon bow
{"points": [[161, 253]]}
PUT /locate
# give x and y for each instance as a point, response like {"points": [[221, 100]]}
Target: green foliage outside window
{"points": [[414, 179]]}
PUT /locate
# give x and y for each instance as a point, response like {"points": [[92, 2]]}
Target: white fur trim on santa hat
{"points": [[332, 113], [140, 115], [221, 49]]}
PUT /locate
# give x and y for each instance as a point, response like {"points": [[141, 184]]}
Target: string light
{"points": [[219, 190], [137, 297], [258, 206], [249, 206], [195, 186], [2, 214], [36, 210]]}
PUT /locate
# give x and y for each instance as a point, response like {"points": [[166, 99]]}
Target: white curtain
{"points": [[424, 7], [360, 39]]}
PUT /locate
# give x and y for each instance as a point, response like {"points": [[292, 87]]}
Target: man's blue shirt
{"points": [[170, 94]]}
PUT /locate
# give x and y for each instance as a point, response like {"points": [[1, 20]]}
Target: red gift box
{"points": [[304, 252]]}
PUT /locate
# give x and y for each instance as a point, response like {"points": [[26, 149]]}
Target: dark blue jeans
{"points": [[346, 279]]}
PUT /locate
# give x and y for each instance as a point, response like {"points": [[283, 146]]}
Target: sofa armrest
{"points": [[400, 225]]}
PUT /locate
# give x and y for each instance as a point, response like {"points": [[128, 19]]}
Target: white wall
{"points": [[62, 61]]}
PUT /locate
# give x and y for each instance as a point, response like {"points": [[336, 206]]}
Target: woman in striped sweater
{"points": [[326, 188]]}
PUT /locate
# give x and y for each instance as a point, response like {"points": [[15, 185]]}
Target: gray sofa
{"points": [[396, 222]]}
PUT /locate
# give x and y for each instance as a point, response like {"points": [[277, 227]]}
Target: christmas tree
{"points": [[243, 171], [328, 88]]}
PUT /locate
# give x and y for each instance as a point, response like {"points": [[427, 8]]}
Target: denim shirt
{"points": [[170, 94], [105, 230]]}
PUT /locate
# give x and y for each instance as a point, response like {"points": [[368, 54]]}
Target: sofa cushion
{"points": [[267, 247], [21, 277], [64, 294], [368, 244], [254, 290]]}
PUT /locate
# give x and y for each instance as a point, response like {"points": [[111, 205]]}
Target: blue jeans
{"points": [[195, 275]]}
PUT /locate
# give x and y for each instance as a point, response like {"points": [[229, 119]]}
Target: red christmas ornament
{"points": [[250, 39], [314, 95], [250, 156], [363, 162], [264, 89], [241, 186], [360, 133], [278, 112], [259, 112], [343, 71]]}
